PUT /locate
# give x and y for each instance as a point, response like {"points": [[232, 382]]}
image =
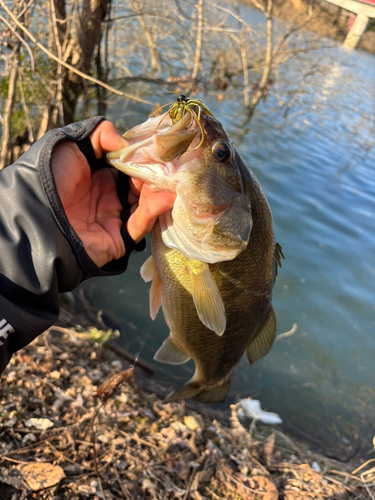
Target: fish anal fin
{"points": [[207, 299], [169, 353], [148, 269], [278, 256], [155, 294], [262, 343], [206, 394]]}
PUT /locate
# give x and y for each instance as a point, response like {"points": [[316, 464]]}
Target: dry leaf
{"points": [[268, 448], [269, 490], [111, 384], [32, 476]]}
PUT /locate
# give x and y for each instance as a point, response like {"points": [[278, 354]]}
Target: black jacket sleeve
{"points": [[40, 253]]}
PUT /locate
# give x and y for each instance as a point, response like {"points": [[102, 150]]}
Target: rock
{"points": [[32, 476], [148, 413], [86, 490], [116, 365], [28, 438], [316, 466], [148, 485], [41, 424], [193, 423], [178, 427], [11, 422], [55, 375], [72, 470]]}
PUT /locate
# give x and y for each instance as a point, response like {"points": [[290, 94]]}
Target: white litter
{"points": [[251, 408], [316, 466]]}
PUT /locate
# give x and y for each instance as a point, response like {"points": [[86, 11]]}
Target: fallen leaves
{"points": [[32, 476], [136, 447]]}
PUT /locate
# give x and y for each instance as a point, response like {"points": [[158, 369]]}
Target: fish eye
{"points": [[221, 151]]}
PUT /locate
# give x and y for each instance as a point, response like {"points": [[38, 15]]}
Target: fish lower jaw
{"points": [[176, 239]]}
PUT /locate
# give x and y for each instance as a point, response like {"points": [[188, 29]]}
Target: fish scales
{"points": [[246, 296]]}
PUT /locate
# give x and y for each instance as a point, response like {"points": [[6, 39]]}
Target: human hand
{"points": [[90, 198]]}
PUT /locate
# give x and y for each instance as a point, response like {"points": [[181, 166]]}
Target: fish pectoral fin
{"points": [[194, 390], [207, 299], [155, 294], [169, 353], [148, 269], [262, 343]]}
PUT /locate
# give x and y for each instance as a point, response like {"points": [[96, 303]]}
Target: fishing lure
{"points": [[185, 105]]}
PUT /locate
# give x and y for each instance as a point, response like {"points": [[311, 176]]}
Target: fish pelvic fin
{"points": [[207, 299], [155, 294], [262, 343], [150, 272], [196, 390], [169, 353], [148, 269]]}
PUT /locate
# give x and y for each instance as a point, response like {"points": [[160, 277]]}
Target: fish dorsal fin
{"points": [[155, 294], [148, 269], [278, 256], [262, 343], [169, 353], [207, 299]]}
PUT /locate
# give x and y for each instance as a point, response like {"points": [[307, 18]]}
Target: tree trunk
{"points": [[5, 153], [82, 48]]}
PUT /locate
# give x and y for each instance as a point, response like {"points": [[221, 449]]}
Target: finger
{"points": [[106, 138], [135, 186], [144, 217], [132, 198]]}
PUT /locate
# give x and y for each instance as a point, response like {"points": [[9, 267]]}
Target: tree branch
{"points": [[68, 66]]}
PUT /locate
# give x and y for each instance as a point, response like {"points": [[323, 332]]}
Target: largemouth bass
{"points": [[214, 256]]}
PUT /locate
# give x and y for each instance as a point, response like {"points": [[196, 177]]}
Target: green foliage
{"points": [[99, 336]]}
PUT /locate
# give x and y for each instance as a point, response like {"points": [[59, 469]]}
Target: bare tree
{"points": [[93, 54]]}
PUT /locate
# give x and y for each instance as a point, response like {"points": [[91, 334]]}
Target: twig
{"points": [[289, 441], [190, 483], [21, 40], [59, 69], [66, 65], [198, 49], [13, 460], [124, 492], [289, 333], [346, 474], [93, 437], [8, 109], [335, 481], [25, 110], [363, 465], [25, 9], [246, 487]]}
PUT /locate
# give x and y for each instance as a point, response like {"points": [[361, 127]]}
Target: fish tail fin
{"points": [[196, 390]]}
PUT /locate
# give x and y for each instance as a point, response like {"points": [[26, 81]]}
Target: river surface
{"points": [[316, 167]]}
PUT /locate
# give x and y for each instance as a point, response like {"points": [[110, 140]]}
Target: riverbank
{"points": [[322, 18], [66, 436]]}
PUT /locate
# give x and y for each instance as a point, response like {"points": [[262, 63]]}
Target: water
{"points": [[317, 170]]}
